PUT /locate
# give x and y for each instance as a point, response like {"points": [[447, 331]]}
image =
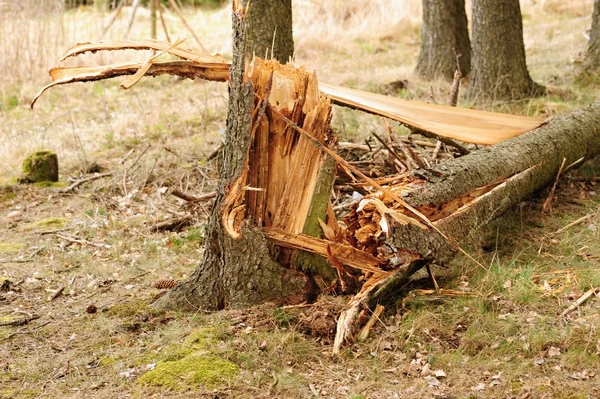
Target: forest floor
{"points": [[78, 270]]}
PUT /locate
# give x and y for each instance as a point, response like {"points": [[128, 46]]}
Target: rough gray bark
{"points": [[236, 272], [270, 28], [498, 68], [592, 57], [530, 161], [444, 40]]}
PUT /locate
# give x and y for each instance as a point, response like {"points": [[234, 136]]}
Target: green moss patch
{"points": [[53, 222], [48, 183], [10, 248], [133, 308], [190, 372]]}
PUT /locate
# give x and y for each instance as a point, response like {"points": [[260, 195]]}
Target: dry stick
{"points": [[163, 23], [9, 336], [390, 149], [453, 101], [349, 168], [57, 293], [19, 322], [79, 182], [364, 333], [180, 15], [547, 207], [193, 198], [432, 277], [80, 241], [586, 179], [408, 153], [134, 8], [576, 222], [113, 19], [579, 301], [461, 149]]}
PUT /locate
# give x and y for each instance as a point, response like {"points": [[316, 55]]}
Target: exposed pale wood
{"points": [[463, 124], [215, 61], [364, 333], [185, 69], [587, 295], [344, 253]]}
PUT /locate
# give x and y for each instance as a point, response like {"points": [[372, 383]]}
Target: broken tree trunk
{"points": [[270, 179], [463, 195]]}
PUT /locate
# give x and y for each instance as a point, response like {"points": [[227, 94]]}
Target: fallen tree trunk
{"points": [[463, 195]]}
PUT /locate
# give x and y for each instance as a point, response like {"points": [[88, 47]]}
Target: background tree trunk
{"points": [[592, 57], [270, 23], [444, 40], [499, 70], [236, 272]]}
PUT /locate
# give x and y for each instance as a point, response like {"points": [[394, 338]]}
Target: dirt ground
{"points": [[80, 270]]}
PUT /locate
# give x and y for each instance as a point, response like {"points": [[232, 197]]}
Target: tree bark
{"points": [[592, 57], [270, 32], [236, 272], [463, 195], [499, 69], [270, 179], [445, 44]]}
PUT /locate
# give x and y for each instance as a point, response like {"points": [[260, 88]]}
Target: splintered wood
{"points": [[276, 189], [282, 189]]}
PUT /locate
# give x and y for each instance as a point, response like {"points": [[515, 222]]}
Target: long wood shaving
{"points": [[469, 125]]}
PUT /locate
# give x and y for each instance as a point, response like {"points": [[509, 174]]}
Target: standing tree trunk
{"points": [[445, 44], [270, 33], [592, 57], [499, 70]]}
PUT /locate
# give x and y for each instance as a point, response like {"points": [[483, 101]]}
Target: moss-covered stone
{"points": [[40, 166], [191, 371]]}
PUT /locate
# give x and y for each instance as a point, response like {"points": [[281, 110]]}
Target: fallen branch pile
{"points": [[412, 209]]}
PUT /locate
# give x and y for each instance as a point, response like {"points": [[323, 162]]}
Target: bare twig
{"points": [[194, 198], [547, 207], [28, 259], [173, 224], [162, 21], [432, 277], [83, 242], [134, 8], [449, 142], [574, 223], [19, 322], [189, 28], [9, 336], [364, 333], [79, 182], [455, 89], [580, 301], [113, 19], [390, 149], [57, 293]]}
